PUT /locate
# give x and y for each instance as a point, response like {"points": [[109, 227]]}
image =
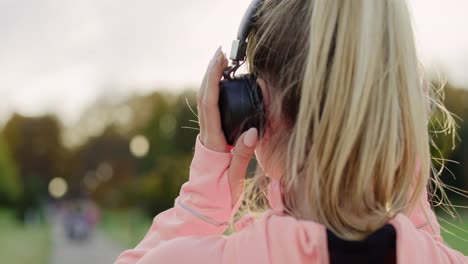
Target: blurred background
{"points": [[96, 130]]}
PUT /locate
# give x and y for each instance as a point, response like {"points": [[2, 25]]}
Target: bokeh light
{"points": [[58, 187], [90, 181], [168, 124], [104, 172], [139, 146]]}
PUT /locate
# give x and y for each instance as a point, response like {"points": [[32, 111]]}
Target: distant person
{"points": [[76, 224], [91, 213], [345, 151]]}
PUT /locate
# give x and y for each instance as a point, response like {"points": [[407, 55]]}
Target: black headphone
{"points": [[240, 98]]}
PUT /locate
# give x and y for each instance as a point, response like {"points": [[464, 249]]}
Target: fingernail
{"points": [[218, 51], [250, 137], [216, 57]]}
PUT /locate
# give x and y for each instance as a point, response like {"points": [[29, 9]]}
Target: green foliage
{"points": [[10, 184], [166, 167], [35, 145], [167, 128], [153, 181], [160, 187]]}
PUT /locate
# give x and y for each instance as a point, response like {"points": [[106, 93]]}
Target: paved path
{"points": [[96, 250]]}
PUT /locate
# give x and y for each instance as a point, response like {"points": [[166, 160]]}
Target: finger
{"points": [[200, 95], [201, 123], [201, 119], [214, 136], [225, 62], [224, 66], [215, 73], [242, 154]]}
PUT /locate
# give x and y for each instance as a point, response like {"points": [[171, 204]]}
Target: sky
{"points": [[59, 56]]}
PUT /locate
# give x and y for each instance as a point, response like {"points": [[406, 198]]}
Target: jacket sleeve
{"points": [[202, 208]]}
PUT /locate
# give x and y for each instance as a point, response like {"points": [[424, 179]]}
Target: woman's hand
{"points": [[211, 133]]}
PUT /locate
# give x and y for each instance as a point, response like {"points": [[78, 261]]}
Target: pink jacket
{"points": [[191, 232]]}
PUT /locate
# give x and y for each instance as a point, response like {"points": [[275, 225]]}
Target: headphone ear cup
{"points": [[241, 107]]}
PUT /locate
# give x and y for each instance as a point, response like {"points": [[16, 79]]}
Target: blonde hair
{"points": [[344, 80]]}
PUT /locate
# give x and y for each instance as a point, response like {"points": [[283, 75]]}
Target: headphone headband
{"points": [[239, 45]]}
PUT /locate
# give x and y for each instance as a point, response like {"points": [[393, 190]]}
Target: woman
{"points": [[346, 148]]}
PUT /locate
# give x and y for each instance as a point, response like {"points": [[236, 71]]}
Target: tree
{"points": [[36, 148], [10, 184], [103, 169]]}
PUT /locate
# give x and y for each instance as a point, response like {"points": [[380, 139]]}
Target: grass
{"points": [[455, 232], [20, 244], [125, 227]]}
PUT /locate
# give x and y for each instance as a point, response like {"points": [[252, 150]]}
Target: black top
{"points": [[379, 247]]}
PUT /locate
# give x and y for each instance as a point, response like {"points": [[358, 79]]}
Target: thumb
{"points": [[242, 154]]}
